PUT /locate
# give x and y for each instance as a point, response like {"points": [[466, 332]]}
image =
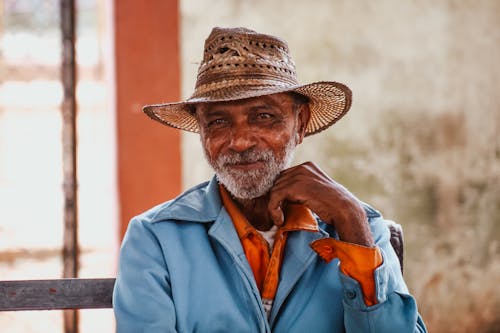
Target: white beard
{"points": [[255, 183]]}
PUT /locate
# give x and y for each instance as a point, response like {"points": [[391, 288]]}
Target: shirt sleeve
{"points": [[356, 261]]}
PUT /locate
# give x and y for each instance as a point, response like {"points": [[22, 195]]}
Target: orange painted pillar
{"points": [[147, 71]]}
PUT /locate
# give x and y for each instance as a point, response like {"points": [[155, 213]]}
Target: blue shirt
{"points": [[183, 269]]}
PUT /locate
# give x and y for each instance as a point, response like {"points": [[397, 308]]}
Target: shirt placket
{"points": [[271, 280]]}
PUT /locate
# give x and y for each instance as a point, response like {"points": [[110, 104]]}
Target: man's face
{"points": [[249, 142]]}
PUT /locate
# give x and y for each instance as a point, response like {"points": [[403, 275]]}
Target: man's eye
{"points": [[264, 115], [217, 122]]}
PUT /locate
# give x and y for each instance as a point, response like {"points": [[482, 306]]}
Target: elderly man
{"points": [[263, 246]]}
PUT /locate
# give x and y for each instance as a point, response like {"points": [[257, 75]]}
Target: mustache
{"points": [[247, 156]]}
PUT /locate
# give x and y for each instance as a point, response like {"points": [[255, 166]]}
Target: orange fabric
{"points": [[266, 267], [356, 261], [254, 246]]}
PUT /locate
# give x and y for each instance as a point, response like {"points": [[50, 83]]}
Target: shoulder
{"points": [[200, 203], [167, 209], [162, 219]]}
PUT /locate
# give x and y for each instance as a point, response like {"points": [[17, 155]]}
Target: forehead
{"points": [[281, 100]]}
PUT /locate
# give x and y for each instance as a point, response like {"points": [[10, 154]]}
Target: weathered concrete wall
{"points": [[421, 142]]}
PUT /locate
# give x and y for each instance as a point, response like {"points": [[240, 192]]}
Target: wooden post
{"points": [[147, 66], [68, 74]]}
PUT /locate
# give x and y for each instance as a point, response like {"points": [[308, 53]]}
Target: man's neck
{"points": [[256, 212]]}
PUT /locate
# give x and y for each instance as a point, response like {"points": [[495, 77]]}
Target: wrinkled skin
{"points": [[272, 123]]}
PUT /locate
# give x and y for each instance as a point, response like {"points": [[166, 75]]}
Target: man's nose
{"points": [[241, 138]]}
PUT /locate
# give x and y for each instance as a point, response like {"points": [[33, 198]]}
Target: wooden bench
{"points": [[56, 294], [61, 294]]}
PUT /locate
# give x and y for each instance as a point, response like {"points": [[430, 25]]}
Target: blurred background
{"points": [[421, 142]]}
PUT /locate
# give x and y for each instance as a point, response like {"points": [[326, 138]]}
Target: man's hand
{"points": [[307, 184]]}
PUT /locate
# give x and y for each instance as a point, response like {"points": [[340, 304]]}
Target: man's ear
{"points": [[303, 115]]}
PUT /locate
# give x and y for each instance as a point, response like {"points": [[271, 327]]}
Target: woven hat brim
{"points": [[329, 101]]}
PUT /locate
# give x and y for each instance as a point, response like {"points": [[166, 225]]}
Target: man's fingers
{"points": [[277, 216], [302, 184], [275, 210], [286, 189]]}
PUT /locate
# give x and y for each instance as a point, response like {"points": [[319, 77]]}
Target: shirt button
{"points": [[350, 294]]}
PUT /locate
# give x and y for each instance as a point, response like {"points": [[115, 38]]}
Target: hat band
{"points": [[265, 84]]}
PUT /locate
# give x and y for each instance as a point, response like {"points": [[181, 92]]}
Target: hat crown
{"points": [[245, 56]]}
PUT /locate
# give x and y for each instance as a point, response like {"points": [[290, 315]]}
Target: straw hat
{"points": [[239, 63]]}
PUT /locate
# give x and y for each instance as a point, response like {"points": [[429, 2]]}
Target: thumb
{"points": [[276, 214]]}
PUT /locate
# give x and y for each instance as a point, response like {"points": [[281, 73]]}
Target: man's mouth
{"points": [[246, 165]]}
